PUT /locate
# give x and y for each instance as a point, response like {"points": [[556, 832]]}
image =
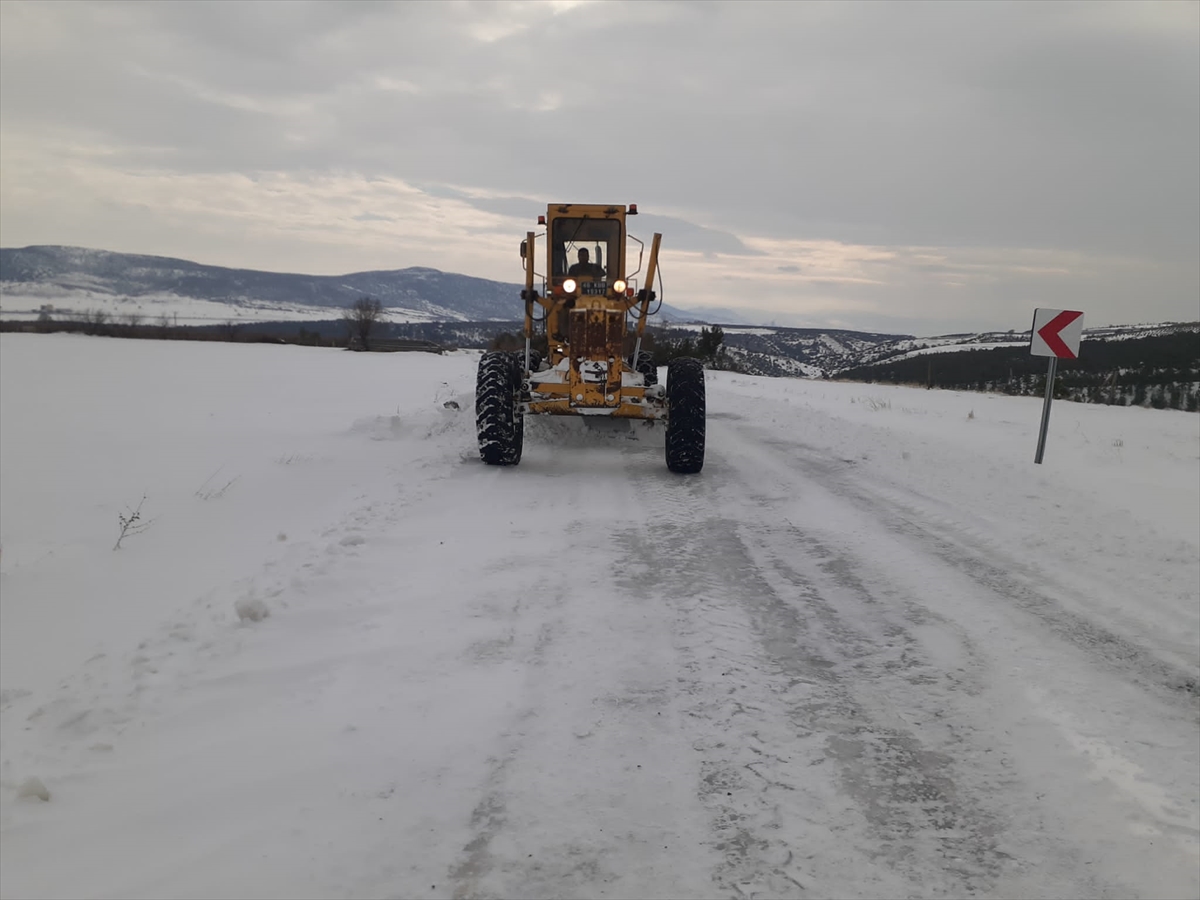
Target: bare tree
{"points": [[360, 319], [131, 522], [94, 321]]}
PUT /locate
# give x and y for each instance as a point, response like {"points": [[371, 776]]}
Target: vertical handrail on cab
{"points": [[529, 255], [650, 270]]}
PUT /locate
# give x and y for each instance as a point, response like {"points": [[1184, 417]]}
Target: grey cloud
{"points": [[1025, 153], [681, 234], [516, 207], [686, 235], [1060, 126]]}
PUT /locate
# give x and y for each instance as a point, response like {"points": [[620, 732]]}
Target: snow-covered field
{"points": [[871, 651]]}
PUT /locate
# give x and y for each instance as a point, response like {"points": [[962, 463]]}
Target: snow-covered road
{"points": [[871, 651]]}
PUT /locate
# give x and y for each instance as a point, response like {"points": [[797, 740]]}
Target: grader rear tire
{"points": [[685, 416], [498, 424]]}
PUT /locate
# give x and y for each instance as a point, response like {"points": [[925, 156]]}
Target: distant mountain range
{"points": [[75, 279]]}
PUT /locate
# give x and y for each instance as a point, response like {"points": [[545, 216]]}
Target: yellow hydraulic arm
{"points": [[651, 268], [528, 293]]}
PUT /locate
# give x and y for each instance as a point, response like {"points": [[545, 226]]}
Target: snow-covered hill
{"points": [[76, 279], [71, 278], [871, 650]]}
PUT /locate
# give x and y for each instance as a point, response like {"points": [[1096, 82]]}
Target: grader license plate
{"points": [[593, 371], [595, 288]]}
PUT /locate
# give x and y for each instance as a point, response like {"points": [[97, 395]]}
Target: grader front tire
{"points": [[685, 416], [498, 423]]}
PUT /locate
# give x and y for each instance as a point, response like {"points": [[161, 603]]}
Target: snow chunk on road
{"points": [[251, 608], [32, 788]]}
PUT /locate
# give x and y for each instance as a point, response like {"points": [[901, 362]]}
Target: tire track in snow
{"points": [[582, 798], [934, 783], [1063, 835], [773, 672], [1007, 578]]}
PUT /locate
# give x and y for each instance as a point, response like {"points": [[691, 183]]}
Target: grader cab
{"points": [[585, 320]]}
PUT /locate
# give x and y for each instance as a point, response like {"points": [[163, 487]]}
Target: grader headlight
{"points": [[569, 285], [619, 286]]}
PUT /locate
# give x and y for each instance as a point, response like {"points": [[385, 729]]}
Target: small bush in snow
{"points": [[131, 523]]}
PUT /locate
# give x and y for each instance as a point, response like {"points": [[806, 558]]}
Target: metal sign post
{"points": [[1056, 333], [1050, 373]]}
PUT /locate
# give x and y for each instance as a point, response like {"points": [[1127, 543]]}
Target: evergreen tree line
{"points": [[709, 347], [1161, 371]]}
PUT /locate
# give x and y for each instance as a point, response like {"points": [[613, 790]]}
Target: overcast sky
{"points": [[899, 167]]}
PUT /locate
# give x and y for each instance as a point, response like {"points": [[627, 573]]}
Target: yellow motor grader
{"points": [[589, 311]]}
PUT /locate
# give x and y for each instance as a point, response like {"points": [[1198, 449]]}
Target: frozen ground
{"points": [[871, 651]]}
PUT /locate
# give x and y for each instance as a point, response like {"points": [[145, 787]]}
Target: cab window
{"points": [[601, 238]]}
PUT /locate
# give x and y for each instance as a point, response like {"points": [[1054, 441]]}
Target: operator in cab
{"points": [[584, 268]]}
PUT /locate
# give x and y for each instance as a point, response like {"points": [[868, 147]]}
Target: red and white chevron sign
{"points": [[1056, 332]]}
